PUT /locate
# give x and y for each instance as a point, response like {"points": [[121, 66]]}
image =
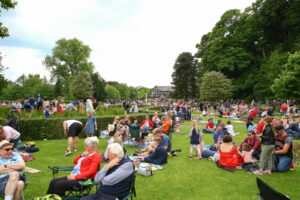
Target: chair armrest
{"points": [[55, 170], [84, 182]]}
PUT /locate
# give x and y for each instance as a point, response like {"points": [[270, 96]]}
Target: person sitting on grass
{"points": [[254, 144], [218, 135], [72, 128], [115, 177], [159, 156], [230, 157], [166, 142], [283, 149], [146, 126], [210, 126], [230, 129], [196, 138], [166, 124], [148, 150], [11, 177], [86, 166]]}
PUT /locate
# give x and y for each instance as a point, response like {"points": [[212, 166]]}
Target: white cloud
{"points": [[138, 50], [21, 60]]}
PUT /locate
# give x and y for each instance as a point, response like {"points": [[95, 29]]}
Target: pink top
{"points": [[247, 156], [10, 133]]}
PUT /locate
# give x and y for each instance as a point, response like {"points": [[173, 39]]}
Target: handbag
{"points": [[145, 170]]}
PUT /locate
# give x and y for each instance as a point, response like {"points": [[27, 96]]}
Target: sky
{"points": [[133, 41]]}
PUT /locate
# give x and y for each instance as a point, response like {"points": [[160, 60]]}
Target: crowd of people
{"points": [[269, 142]]}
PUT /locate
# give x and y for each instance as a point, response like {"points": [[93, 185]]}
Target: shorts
{"points": [[75, 129], [5, 179]]}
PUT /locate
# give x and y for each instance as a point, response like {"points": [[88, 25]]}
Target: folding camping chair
{"points": [[77, 192], [266, 192], [134, 133], [27, 181], [132, 191]]}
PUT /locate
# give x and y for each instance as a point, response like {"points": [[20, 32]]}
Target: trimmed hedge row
{"points": [[39, 129]]}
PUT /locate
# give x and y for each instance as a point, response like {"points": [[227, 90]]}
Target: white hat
{"points": [[4, 143]]}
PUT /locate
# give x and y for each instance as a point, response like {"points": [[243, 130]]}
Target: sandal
{"points": [[74, 149], [68, 152]]}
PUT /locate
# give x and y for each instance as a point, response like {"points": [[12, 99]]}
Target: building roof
{"points": [[163, 88]]}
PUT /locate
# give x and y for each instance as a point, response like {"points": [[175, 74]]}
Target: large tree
{"points": [[111, 92], [6, 5], [99, 88], [185, 76], [69, 57], [82, 86], [287, 85], [214, 86], [249, 46]]}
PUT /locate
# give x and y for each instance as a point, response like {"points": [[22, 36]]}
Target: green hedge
{"points": [[39, 129]]}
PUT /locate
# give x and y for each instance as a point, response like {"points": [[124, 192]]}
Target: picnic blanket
{"points": [[26, 156], [130, 143], [153, 166], [180, 133]]}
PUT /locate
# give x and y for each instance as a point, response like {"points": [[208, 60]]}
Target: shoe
{"points": [[239, 167], [201, 159], [74, 149], [258, 173], [68, 152], [174, 154], [292, 169], [267, 172], [211, 159], [177, 150], [190, 157]]}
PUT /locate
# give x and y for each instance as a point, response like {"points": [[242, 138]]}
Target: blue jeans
{"points": [[284, 163], [283, 113], [15, 142], [208, 131], [293, 134], [207, 153], [146, 129]]}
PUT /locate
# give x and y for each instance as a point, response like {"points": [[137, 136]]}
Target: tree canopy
{"points": [[6, 5], [82, 86], [185, 76], [215, 86], [69, 57]]}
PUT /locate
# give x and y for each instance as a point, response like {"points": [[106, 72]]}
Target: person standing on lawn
{"points": [[268, 140], [72, 128], [196, 138], [91, 124]]}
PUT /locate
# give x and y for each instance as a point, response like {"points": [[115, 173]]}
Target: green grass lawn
{"points": [[181, 179]]}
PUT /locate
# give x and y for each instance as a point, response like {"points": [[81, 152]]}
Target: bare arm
{"points": [[12, 167]]}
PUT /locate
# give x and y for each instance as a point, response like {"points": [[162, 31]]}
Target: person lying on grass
{"points": [[158, 157], [86, 166]]}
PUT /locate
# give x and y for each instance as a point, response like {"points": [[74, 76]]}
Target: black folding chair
{"points": [[266, 192]]}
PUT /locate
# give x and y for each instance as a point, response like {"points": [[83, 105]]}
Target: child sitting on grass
{"points": [[196, 138], [246, 154]]}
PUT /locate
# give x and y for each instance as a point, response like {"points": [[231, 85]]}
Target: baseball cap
{"points": [[4, 143]]}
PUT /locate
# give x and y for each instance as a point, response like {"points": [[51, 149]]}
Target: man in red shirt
{"points": [[254, 144], [210, 126]]}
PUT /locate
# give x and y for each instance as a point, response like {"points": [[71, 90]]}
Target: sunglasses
{"points": [[9, 149]]}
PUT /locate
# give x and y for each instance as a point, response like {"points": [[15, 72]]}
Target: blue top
{"points": [[217, 134], [47, 113], [90, 127], [166, 142], [13, 159], [195, 138], [159, 156]]}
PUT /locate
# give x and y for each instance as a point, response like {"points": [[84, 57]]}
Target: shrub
{"points": [[40, 128]]}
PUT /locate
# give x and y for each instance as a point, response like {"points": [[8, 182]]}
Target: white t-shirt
{"points": [[70, 122], [229, 129], [10, 133]]}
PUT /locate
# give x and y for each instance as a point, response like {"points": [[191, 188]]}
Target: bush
{"points": [[40, 128]]}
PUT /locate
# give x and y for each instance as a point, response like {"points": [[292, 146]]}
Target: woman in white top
{"points": [[230, 130], [10, 134]]}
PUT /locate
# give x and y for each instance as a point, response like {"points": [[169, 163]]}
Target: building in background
{"points": [[161, 91]]}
